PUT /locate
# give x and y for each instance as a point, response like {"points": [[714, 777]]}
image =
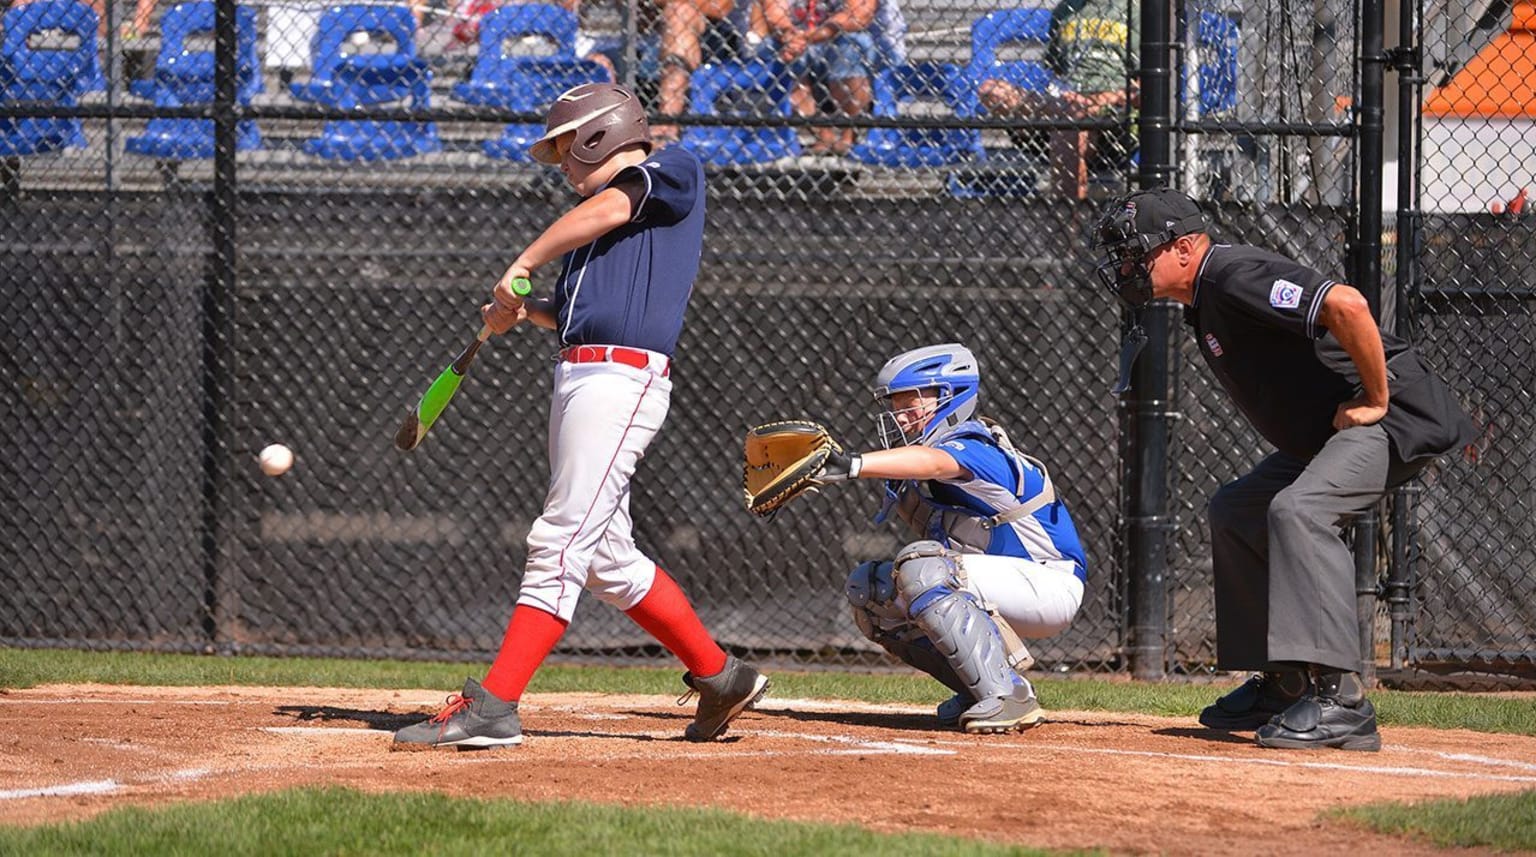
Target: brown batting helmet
{"points": [[605, 117]]}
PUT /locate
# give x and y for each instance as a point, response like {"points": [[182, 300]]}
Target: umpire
{"points": [[1351, 412]]}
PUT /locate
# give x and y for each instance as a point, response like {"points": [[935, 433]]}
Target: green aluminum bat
{"points": [[437, 396]]}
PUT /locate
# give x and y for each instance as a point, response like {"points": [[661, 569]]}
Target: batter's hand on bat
{"points": [[506, 309], [1357, 412]]}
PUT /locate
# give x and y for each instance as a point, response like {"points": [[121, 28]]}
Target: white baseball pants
{"points": [[1037, 600], [601, 419]]}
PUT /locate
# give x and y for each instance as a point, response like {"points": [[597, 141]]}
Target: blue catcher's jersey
{"points": [[959, 513]]}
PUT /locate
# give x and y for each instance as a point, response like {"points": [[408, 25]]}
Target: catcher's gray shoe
{"points": [[475, 719], [722, 698], [1256, 701], [1013, 713]]}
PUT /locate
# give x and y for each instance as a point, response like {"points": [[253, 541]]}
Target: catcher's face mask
{"points": [[908, 414]]}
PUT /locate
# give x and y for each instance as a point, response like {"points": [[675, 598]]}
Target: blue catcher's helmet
{"points": [[950, 369]]}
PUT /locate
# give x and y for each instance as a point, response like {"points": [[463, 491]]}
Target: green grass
{"points": [[339, 821], [1506, 821], [30, 667]]}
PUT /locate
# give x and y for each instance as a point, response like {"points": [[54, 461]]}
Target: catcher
{"points": [[997, 557]]}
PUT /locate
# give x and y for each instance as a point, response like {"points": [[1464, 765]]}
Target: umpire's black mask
{"points": [[1129, 230]]}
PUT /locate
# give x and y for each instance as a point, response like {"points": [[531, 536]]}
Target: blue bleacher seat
{"points": [[1029, 28], [760, 85], [348, 80], [914, 147], [56, 74], [184, 75], [1028, 32], [1216, 40], [521, 82]]}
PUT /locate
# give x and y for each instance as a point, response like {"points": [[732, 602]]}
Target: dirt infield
{"points": [[1127, 783]]}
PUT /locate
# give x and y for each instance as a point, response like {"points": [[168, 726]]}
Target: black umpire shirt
{"points": [[1255, 319]]}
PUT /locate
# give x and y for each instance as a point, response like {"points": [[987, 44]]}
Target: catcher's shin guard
{"points": [[966, 637], [871, 592]]}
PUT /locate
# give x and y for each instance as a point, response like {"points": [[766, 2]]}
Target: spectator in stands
{"points": [[138, 26], [1092, 50], [688, 27], [826, 43], [680, 34]]}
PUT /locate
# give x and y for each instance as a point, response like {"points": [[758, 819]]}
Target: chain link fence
{"points": [[229, 226]]}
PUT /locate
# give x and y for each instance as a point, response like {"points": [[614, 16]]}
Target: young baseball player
{"points": [[998, 557], [630, 253]]}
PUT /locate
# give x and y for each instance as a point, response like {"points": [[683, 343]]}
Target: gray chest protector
{"points": [[961, 528]]}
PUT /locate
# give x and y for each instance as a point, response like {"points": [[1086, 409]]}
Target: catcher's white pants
{"points": [[601, 419], [1036, 599]]}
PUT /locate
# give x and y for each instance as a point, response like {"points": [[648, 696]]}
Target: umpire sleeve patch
{"points": [[1285, 294]]}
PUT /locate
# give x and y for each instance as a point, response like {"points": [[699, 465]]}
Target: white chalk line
{"points": [[84, 787], [860, 745], [317, 730], [1480, 760], [1279, 763], [114, 700]]}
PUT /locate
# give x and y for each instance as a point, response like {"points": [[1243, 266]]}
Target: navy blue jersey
{"points": [[631, 286]]}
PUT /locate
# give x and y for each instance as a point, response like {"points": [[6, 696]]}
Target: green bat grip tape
{"points": [[521, 287]]}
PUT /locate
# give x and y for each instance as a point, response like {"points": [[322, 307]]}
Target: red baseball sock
{"points": [[531, 634], [665, 614]]}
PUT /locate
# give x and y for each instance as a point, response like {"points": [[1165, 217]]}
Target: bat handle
{"points": [[522, 287], [460, 364]]}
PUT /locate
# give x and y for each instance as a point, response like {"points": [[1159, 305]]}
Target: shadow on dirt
{"points": [[1216, 736], [384, 721]]}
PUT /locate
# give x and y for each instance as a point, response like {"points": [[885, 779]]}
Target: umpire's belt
{"points": [[636, 357]]}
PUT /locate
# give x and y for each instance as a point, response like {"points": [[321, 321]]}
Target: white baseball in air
{"points": [[276, 459]]}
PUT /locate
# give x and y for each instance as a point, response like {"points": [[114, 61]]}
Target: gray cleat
{"points": [[722, 698], [475, 719], [1013, 713]]}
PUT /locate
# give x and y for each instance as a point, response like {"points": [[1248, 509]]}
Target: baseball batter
{"points": [[630, 253], [997, 557], [1352, 413]]}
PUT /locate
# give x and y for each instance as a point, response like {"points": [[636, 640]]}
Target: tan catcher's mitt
{"points": [[787, 458]]}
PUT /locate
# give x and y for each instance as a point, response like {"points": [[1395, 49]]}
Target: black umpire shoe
{"points": [[1335, 714], [1256, 702], [473, 720]]}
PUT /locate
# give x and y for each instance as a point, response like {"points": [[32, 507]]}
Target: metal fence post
{"points": [[1410, 81], [219, 319], [1148, 405], [1366, 262]]}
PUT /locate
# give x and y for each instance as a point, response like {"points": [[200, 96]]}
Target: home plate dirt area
{"points": [[1127, 783]]}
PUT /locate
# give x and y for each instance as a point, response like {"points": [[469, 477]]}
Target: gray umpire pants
{"points": [[1285, 578]]}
